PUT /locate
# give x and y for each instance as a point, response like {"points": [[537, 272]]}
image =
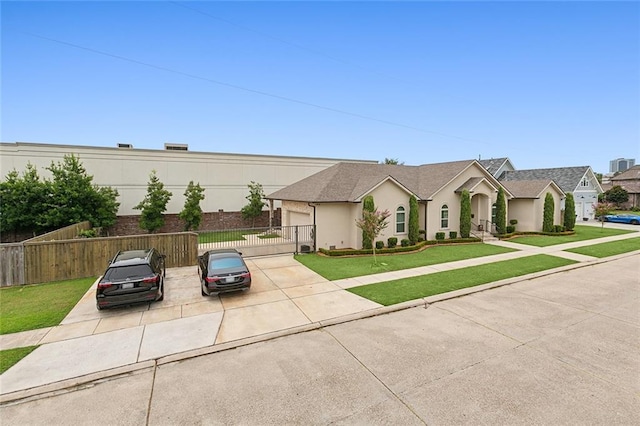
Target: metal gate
{"points": [[260, 241]]}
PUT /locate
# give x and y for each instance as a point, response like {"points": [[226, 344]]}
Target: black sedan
{"points": [[223, 271]]}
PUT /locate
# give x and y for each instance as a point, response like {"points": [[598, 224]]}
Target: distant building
{"points": [[621, 164]]}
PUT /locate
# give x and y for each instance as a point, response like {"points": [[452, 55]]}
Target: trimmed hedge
{"points": [[392, 242], [354, 252]]}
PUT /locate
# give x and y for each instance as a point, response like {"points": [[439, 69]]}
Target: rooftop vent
{"points": [[125, 145], [176, 147]]}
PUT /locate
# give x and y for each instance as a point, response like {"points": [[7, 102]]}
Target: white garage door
{"points": [[297, 218]]}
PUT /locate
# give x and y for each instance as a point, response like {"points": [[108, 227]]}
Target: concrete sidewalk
{"points": [[285, 298]]}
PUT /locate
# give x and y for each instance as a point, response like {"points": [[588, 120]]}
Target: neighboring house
{"points": [[629, 180], [527, 206], [497, 166], [332, 199], [580, 181]]}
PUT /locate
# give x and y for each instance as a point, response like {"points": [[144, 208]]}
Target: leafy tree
{"points": [[501, 212], [372, 223], [254, 208], [465, 214], [616, 195], [22, 201], [393, 161], [154, 204], [599, 177], [569, 221], [367, 205], [74, 198], [547, 215], [191, 214], [601, 210], [414, 220], [106, 210]]}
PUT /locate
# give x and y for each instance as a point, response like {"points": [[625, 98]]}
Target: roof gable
{"points": [[531, 188], [349, 182], [567, 178]]}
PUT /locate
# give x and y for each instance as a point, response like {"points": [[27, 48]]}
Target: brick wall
{"points": [[128, 225]]}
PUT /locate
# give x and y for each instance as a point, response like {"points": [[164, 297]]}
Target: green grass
{"points": [[224, 236], [335, 268], [609, 249], [397, 291], [9, 357], [582, 233], [40, 305]]}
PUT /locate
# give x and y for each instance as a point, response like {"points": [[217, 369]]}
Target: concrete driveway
{"points": [[284, 295], [559, 349]]}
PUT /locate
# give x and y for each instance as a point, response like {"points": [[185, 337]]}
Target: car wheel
{"points": [[635, 222], [202, 291], [161, 298], [98, 307]]}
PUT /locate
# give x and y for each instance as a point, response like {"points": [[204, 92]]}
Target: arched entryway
{"points": [[480, 212]]}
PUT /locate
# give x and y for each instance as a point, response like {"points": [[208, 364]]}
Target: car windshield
{"points": [[225, 263], [124, 272]]}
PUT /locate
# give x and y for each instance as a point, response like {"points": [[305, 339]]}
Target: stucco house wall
{"points": [[336, 225], [389, 196], [525, 212], [483, 196]]}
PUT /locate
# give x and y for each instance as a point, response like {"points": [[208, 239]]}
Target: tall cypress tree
{"points": [[501, 212], [414, 221], [569, 213], [547, 215], [465, 214], [368, 206]]}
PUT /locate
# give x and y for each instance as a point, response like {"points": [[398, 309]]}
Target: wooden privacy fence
{"points": [[47, 261], [11, 264]]}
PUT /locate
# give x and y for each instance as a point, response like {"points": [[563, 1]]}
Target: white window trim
{"points": [[441, 218], [404, 223]]}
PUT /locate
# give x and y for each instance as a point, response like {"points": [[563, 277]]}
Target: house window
{"points": [[584, 182], [400, 220], [444, 216]]}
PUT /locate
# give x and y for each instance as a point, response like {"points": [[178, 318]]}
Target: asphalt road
{"points": [[561, 349]]}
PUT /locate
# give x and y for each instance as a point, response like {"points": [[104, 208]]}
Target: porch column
{"points": [[270, 213]]}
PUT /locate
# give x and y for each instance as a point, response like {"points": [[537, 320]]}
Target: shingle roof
{"points": [[493, 164], [527, 188], [567, 178], [630, 174], [348, 182]]}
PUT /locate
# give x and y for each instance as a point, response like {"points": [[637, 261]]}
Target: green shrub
{"points": [[453, 235], [465, 214], [558, 228], [422, 232], [367, 205], [569, 218], [439, 236], [511, 229], [414, 227], [635, 209], [513, 222], [87, 233], [547, 215], [405, 242], [392, 242], [379, 245]]}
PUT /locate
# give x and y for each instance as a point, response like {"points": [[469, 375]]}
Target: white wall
{"points": [[223, 176]]}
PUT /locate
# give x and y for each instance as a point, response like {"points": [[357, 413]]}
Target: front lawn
{"points": [[9, 357], [40, 305], [335, 268], [609, 249], [582, 233], [224, 236], [397, 291]]}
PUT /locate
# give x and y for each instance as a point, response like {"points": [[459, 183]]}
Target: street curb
{"points": [[81, 382]]}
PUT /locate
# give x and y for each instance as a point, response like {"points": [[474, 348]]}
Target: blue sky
{"points": [[547, 84]]}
